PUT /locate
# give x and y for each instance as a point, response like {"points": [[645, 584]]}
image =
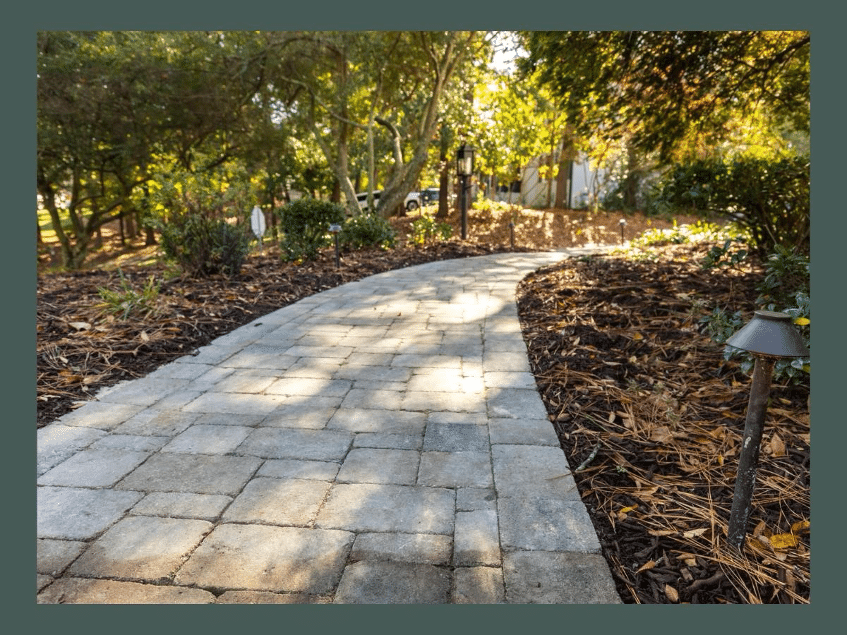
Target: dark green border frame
{"points": [[19, 268]]}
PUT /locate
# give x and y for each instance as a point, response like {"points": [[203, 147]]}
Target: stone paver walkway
{"points": [[380, 442]]}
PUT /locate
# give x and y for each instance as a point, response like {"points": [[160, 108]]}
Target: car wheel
{"points": [[411, 206]]}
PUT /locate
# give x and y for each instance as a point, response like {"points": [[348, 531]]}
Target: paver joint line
{"points": [[380, 442]]}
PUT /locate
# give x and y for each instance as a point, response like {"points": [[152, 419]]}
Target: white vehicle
{"points": [[412, 201]]}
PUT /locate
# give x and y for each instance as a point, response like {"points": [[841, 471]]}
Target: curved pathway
{"points": [[380, 442]]}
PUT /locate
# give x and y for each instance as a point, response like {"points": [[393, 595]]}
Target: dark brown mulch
{"points": [[81, 349], [650, 417]]}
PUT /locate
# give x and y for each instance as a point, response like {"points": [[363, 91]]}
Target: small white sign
{"points": [[257, 222]]}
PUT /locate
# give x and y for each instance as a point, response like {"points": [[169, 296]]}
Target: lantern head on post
{"points": [[770, 333], [768, 336], [464, 160]]}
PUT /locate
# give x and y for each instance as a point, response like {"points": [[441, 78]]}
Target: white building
{"points": [[587, 184]]}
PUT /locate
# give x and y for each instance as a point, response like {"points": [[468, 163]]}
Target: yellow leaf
{"points": [[800, 527], [783, 541], [628, 509], [671, 592], [70, 377], [801, 321], [638, 336]]}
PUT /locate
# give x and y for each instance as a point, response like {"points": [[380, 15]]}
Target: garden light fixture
{"points": [[622, 223], [334, 228], [768, 336], [464, 169]]}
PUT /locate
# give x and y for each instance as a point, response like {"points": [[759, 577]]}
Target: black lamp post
{"points": [[464, 168], [768, 336]]}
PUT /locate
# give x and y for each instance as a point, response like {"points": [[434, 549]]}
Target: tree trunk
{"points": [[444, 191], [131, 225], [99, 242], [632, 179], [566, 159]]}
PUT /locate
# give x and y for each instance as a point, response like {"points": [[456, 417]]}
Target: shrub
{"points": [[204, 246], [367, 230], [701, 231], [484, 204], [770, 198], [304, 224], [426, 230]]}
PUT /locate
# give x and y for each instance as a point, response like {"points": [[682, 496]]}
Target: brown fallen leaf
{"points": [[646, 566], [777, 446], [671, 593]]}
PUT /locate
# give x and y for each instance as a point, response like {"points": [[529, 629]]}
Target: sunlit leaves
{"points": [[675, 90]]}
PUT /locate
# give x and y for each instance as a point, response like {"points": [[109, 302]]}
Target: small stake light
{"points": [[768, 336], [622, 223], [334, 228]]}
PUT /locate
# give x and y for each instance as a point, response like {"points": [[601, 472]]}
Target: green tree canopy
{"points": [[669, 90]]}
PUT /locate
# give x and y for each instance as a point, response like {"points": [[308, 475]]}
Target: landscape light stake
{"points": [[622, 223], [334, 229], [768, 336]]}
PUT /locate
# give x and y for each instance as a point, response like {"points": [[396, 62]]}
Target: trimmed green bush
{"points": [[304, 224], [204, 246], [367, 230]]}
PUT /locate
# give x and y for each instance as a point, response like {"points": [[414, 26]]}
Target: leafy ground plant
{"points": [[127, 301], [784, 288]]}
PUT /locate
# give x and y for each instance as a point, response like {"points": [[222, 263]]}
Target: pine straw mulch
{"points": [[651, 417]]}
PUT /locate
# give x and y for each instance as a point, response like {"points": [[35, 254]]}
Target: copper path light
{"points": [[769, 336]]}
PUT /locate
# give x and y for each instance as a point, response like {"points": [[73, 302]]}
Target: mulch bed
{"points": [[651, 417], [647, 412]]}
